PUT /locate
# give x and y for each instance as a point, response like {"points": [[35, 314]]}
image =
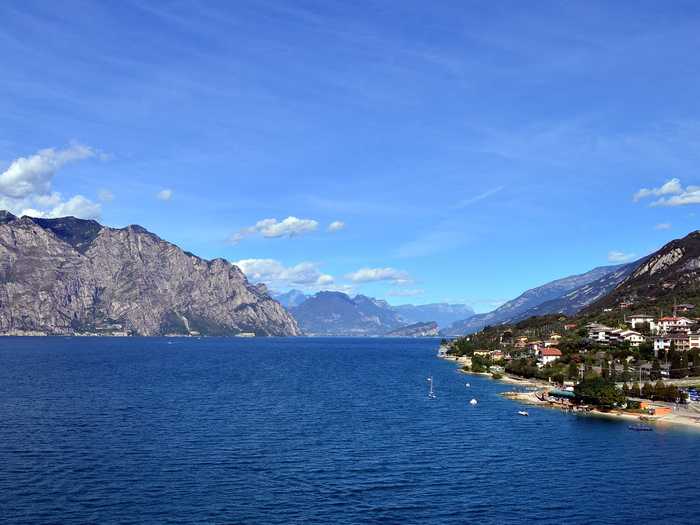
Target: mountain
{"points": [[667, 276], [416, 330], [67, 275], [567, 295], [291, 298], [442, 313], [335, 313]]}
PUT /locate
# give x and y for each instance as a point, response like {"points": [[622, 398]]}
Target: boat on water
{"points": [[473, 402], [467, 385], [523, 413], [431, 391], [640, 428]]}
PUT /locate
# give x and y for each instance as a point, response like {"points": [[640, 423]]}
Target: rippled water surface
{"points": [[308, 431]]}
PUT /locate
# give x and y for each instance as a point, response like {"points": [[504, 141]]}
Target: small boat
{"points": [[640, 428], [473, 402], [467, 385], [431, 392], [523, 413]]}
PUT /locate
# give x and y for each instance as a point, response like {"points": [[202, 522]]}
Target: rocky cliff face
{"points": [[667, 276], [429, 329], [63, 276]]}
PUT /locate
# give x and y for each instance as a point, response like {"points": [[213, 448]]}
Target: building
{"points": [[687, 307], [534, 346], [634, 338], [636, 320], [673, 323], [600, 333], [548, 355], [678, 340], [570, 326]]}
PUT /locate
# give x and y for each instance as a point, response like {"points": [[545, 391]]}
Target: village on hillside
{"points": [[641, 355]]}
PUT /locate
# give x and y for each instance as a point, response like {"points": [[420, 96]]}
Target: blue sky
{"points": [[471, 150]]}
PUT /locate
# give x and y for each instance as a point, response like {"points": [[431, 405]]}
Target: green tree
{"points": [[647, 391], [573, 370], [599, 391], [635, 390], [655, 374]]}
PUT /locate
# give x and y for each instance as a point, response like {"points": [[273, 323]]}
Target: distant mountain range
{"points": [[568, 295], [336, 313], [72, 276]]}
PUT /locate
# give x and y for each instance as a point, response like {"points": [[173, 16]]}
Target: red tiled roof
{"points": [[552, 352]]}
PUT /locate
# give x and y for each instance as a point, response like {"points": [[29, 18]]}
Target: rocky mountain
{"points": [[291, 298], [67, 275], [416, 330], [335, 313], [443, 314], [567, 295], [667, 276]]}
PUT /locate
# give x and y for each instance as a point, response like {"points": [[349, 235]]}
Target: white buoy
{"points": [[473, 402]]}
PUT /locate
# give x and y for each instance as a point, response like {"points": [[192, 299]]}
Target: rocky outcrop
{"points": [[64, 276], [667, 276]]}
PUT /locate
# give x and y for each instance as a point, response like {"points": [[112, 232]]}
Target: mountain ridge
{"points": [[566, 295], [69, 275]]}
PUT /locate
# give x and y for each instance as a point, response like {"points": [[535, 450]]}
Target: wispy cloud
{"points": [[407, 292], [615, 256], [663, 226], [476, 198]]}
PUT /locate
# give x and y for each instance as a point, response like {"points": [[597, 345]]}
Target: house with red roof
{"points": [[548, 355]]}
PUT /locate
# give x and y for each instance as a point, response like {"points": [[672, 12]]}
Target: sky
{"points": [[412, 151]]}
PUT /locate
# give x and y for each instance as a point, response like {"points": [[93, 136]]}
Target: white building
{"points": [[641, 319], [675, 324], [548, 355], [634, 338]]}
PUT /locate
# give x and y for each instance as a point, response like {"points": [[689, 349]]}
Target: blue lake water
{"points": [[141, 430]]}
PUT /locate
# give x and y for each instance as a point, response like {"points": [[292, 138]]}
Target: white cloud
{"points": [[272, 228], [672, 187], [336, 226], [691, 195], [620, 257], [276, 275], [165, 194], [366, 275], [27, 176], [663, 226], [671, 193], [25, 186], [105, 195]]}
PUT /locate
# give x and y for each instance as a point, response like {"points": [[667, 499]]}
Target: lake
{"points": [[309, 430]]}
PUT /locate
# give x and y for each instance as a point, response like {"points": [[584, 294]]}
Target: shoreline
{"points": [[539, 387]]}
